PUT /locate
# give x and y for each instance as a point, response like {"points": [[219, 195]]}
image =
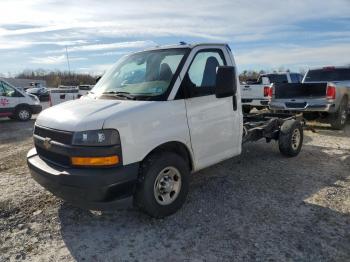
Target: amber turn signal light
{"points": [[95, 161]]}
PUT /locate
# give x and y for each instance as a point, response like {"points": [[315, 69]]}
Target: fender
{"points": [[177, 147], [22, 105], [286, 126]]}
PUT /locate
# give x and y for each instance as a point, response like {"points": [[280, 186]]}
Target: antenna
{"points": [[68, 60]]}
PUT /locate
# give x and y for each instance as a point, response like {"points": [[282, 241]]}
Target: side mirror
{"points": [[226, 84], [97, 79]]}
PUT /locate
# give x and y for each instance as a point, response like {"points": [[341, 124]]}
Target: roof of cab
{"points": [[185, 45]]}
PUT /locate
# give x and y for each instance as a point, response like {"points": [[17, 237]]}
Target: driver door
{"points": [[214, 123]]}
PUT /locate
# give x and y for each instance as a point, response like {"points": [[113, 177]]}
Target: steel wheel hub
{"points": [[23, 114], [295, 139], [167, 186]]}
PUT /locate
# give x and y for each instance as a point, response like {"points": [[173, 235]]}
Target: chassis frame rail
{"points": [[266, 125]]}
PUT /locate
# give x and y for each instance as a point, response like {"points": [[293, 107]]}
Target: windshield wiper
{"points": [[120, 94]]}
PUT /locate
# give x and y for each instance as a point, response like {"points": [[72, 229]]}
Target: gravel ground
{"points": [[258, 206]]}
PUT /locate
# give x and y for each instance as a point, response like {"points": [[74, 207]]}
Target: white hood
{"points": [[84, 114]]}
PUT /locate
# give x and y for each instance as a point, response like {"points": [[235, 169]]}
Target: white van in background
{"points": [[17, 104]]}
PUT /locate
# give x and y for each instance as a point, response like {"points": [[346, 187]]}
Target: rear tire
{"points": [[23, 113], [290, 138], [164, 184], [338, 120]]}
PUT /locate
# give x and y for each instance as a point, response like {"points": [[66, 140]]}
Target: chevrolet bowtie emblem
{"points": [[47, 143]]}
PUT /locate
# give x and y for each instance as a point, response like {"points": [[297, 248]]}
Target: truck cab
{"points": [[17, 104], [153, 118]]}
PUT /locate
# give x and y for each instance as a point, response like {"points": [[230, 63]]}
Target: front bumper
{"points": [[90, 188], [36, 109]]}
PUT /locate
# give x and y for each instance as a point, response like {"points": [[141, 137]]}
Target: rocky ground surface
{"points": [[258, 206]]}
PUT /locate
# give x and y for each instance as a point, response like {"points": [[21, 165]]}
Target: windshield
{"points": [[146, 73], [328, 75]]}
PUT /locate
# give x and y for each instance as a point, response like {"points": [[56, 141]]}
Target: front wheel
{"points": [[23, 114], [290, 138], [164, 184]]}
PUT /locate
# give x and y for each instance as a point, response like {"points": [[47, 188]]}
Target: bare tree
{"points": [[56, 78]]}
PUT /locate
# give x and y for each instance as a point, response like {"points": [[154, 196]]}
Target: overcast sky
{"points": [[263, 34]]}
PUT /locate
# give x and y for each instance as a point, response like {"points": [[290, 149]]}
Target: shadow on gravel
{"points": [[252, 207], [327, 130], [15, 131]]}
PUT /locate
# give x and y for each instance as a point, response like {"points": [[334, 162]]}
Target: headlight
{"points": [[35, 99], [103, 137]]}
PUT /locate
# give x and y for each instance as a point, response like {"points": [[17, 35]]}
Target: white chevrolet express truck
{"points": [[155, 117]]}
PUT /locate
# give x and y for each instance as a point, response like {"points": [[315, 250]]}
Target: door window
{"points": [[202, 72], [278, 78], [2, 91], [300, 78], [295, 78], [6, 90]]}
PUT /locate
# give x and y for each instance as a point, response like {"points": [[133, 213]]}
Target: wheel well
{"points": [[22, 106], [176, 147]]}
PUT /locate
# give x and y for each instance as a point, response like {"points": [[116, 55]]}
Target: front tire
{"points": [[23, 114], [291, 138], [164, 184]]}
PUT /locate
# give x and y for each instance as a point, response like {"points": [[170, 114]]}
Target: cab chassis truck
{"points": [[153, 119]]}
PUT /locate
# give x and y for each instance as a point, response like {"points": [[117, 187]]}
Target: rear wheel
{"points": [[291, 138], [164, 185], [23, 113], [338, 120]]}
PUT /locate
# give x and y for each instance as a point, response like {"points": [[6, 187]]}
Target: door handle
{"points": [[234, 102]]}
